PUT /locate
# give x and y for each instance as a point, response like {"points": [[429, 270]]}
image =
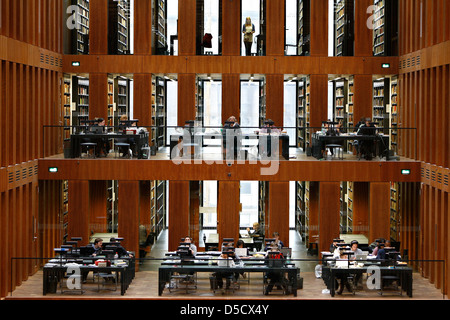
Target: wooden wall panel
{"points": [[379, 214], [98, 27], [275, 14], [231, 96], [186, 98], [142, 30], [329, 207], [275, 98], [231, 28], [319, 102], [228, 208], [98, 95], [128, 214], [363, 35], [278, 218], [79, 210], [178, 212], [187, 14], [142, 95], [361, 208], [97, 206], [319, 28], [363, 96]]}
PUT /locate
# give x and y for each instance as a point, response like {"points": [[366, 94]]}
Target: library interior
{"points": [[222, 149]]}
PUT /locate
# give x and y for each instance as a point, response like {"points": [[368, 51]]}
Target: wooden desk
{"points": [[329, 275], [165, 272]]}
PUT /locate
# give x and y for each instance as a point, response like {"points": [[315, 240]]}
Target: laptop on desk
{"points": [[362, 256], [241, 252]]}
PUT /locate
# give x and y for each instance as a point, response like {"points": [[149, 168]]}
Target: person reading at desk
{"points": [[191, 246], [121, 251], [274, 277], [367, 147]]}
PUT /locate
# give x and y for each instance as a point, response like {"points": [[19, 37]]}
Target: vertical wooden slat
{"points": [[275, 29], [178, 212], [228, 210], [187, 27], [278, 219], [329, 206], [363, 35], [98, 27], [142, 86], [128, 214], [142, 30], [231, 96], [231, 29], [186, 98], [98, 95], [379, 215], [275, 98]]}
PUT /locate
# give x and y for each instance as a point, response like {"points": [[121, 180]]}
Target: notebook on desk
{"points": [[241, 252]]}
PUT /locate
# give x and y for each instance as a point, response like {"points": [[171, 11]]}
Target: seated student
{"points": [[258, 234], [277, 242], [191, 245], [121, 252], [226, 259], [381, 253], [274, 277], [97, 246], [367, 147]]}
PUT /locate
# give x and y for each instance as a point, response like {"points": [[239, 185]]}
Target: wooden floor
{"points": [[144, 286]]}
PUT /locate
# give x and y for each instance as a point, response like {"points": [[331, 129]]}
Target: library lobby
{"points": [[272, 151]]}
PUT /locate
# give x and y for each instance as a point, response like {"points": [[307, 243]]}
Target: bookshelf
{"points": [[160, 203], [340, 101], [349, 220], [80, 35], [307, 114], [80, 97], [262, 101], [67, 119], [158, 111], [64, 210], [159, 27], [111, 104], [263, 197], [350, 118], [123, 96], [343, 209], [199, 100], [111, 205], [303, 25], [380, 103], [301, 113], [393, 119], [306, 213], [119, 26], [344, 17], [300, 208], [395, 211], [385, 32]]}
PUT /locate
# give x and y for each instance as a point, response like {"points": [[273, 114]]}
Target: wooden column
{"points": [[278, 219], [128, 214], [361, 208], [178, 212], [231, 96], [187, 27], [231, 28], [194, 211], [275, 29], [329, 207], [97, 206], [363, 97], [380, 208], [274, 98], [318, 96], [186, 98], [98, 95], [79, 210], [363, 35], [228, 208], [98, 27], [142, 27], [142, 95], [319, 28]]}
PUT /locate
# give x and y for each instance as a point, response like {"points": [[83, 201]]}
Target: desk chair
{"points": [[186, 281], [126, 150], [88, 146], [232, 282], [335, 150], [104, 278], [71, 277], [390, 280]]}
